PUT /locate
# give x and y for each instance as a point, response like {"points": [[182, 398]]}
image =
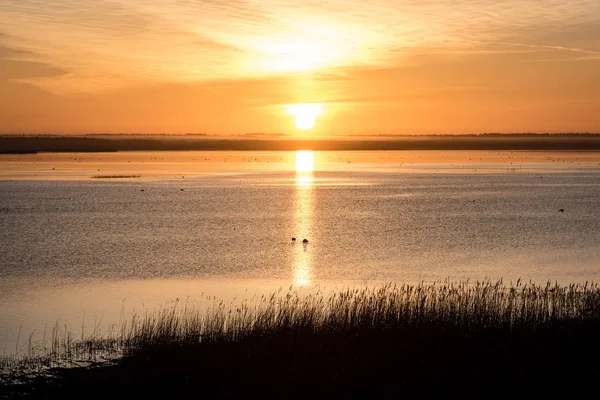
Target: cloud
{"points": [[14, 67], [580, 35], [8, 52], [117, 42]]}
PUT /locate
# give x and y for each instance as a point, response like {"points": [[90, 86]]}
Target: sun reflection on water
{"points": [[305, 161], [303, 218], [306, 180]]}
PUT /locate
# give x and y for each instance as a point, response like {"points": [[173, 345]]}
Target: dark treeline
{"points": [[36, 144]]}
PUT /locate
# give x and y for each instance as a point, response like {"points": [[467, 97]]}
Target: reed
{"points": [[465, 306], [351, 331]]}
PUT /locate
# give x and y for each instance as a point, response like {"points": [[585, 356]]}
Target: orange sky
{"points": [[235, 66]]}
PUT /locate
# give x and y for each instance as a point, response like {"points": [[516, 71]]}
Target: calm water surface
{"points": [[105, 247]]}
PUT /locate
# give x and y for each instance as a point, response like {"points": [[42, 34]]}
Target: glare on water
{"points": [[303, 215]]}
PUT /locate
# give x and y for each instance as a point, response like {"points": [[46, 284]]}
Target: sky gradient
{"points": [[228, 67]]}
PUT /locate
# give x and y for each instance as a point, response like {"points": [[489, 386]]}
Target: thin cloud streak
{"points": [[551, 47]]}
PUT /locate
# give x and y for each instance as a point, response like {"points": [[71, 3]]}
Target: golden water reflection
{"points": [[303, 219], [305, 161]]}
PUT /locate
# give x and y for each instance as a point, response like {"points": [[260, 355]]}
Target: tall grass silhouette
{"points": [[416, 332]]}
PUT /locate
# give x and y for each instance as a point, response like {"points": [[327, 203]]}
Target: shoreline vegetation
{"points": [[381, 340], [29, 144], [115, 176]]}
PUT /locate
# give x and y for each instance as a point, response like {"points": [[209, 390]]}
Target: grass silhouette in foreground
{"points": [[375, 341]]}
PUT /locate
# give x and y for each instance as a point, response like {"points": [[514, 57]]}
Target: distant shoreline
{"points": [[28, 144]]}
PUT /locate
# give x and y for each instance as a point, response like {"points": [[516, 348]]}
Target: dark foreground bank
{"points": [[417, 341]]}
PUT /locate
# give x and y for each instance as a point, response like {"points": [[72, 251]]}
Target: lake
{"points": [[86, 239]]}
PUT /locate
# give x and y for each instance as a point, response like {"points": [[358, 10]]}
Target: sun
{"points": [[305, 121], [305, 115]]}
